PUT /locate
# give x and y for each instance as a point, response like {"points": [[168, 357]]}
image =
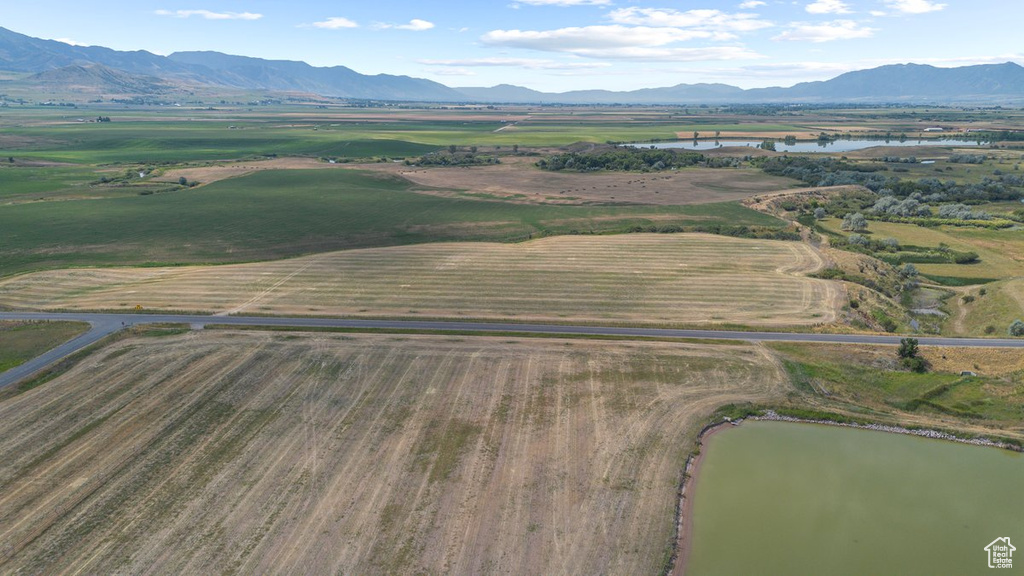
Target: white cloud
{"points": [[70, 42], [453, 72], [827, 32], [528, 63], [565, 2], [642, 42], [335, 23], [709, 20], [208, 15], [645, 54], [590, 37], [828, 7], [914, 6], [752, 4], [416, 25], [878, 13]]}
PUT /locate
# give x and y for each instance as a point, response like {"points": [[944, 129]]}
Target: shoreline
{"points": [[684, 502], [684, 505], [772, 416]]}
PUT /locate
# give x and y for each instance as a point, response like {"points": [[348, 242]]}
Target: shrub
{"points": [[908, 348], [855, 221], [965, 258], [1017, 328], [916, 364], [990, 329], [858, 240]]}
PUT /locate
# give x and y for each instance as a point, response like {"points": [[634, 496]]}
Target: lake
{"points": [[814, 146], [785, 498]]}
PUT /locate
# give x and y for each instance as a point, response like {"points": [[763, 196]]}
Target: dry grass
{"points": [[218, 172], [258, 453], [643, 278], [990, 314], [985, 361], [516, 179]]}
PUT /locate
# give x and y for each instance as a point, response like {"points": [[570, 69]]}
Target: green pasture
{"points": [[277, 214]]}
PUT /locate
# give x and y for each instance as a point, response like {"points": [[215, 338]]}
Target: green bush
{"points": [[916, 364], [908, 348], [1017, 328]]}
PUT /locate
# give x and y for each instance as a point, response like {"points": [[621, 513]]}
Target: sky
{"points": [[554, 45]]}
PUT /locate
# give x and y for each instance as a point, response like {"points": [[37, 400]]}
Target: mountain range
{"points": [[49, 64]]}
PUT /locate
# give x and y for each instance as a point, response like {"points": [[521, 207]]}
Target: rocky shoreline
{"points": [[771, 415]]}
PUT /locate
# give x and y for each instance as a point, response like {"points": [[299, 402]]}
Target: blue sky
{"points": [[554, 45]]}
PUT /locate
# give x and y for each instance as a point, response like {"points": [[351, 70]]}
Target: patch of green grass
{"points": [[958, 280], [22, 341], [35, 182], [442, 446], [857, 381], [276, 214], [164, 142]]}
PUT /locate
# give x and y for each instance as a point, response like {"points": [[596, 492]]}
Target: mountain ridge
{"points": [[890, 84]]}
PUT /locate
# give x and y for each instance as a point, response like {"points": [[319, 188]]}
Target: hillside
{"points": [[97, 79]]}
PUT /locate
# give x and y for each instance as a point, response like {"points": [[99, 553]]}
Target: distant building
{"points": [[934, 129]]}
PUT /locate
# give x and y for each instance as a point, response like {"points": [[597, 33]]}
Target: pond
{"points": [[813, 146], [785, 498]]}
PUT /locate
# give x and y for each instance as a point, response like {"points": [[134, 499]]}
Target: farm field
{"points": [[633, 278], [257, 452], [221, 132], [276, 214], [516, 179], [22, 341]]}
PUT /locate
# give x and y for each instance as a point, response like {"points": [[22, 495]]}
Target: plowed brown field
{"points": [[260, 453], [641, 278]]}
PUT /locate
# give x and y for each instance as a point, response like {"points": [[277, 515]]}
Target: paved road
{"points": [[106, 324]]}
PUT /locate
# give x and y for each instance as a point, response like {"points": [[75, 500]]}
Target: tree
{"points": [[820, 213], [856, 222], [451, 149], [1017, 328], [182, 181], [515, 148], [908, 348], [768, 145], [908, 354], [909, 270]]}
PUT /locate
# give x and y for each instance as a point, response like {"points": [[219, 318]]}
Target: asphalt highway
{"points": [[105, 324]]}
